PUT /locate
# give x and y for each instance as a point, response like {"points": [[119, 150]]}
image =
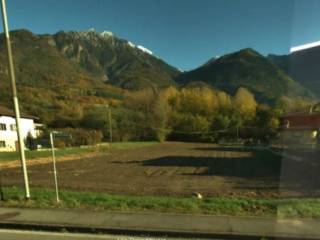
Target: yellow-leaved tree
{"points": [[245, 102]]}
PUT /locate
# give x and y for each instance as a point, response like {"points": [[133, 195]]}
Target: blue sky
{"points": [[185, 33], [306, 21]]}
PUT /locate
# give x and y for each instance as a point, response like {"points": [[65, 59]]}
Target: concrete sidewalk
{"points": [[166, 224]]}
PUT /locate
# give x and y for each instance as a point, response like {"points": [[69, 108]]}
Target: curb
{"points": [[158, 225]]}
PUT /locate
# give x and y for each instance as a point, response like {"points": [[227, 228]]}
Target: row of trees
{"points": [[192, 114], [205, 114], [187, 114]]}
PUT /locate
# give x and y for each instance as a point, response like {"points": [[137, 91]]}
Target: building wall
{"points": [[299, 121], [301, 137], [10, 137]]}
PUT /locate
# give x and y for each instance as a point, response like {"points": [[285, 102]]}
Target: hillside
{"points": [[58, 75], [303, 66], [113, 60], [246, 68], [49, 84]]}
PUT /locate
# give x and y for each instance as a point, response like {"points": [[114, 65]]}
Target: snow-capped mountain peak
{"points": [[94, 36], [106, 34], [144, 49], [131, 44], [140, 47], [92, 33]]}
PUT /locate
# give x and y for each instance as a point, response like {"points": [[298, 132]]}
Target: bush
{"points": [[60, 143], [30, 142], [79, 137]]}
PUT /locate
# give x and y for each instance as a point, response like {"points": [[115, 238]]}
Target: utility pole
{"points": [[1, 187], [110, 125], [15, 99], [237, 134]]}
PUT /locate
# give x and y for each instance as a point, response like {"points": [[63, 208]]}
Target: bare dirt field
{"points": [[180, 169]]}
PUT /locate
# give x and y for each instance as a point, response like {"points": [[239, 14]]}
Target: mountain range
{"points": [[55, 72], [114, 60], [247, 68], [302, 66]]}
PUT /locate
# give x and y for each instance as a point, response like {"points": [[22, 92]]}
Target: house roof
{"points": [[301, 120], [301, 114], [4, 111]]}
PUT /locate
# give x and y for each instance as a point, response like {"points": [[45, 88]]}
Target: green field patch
{"points": [[11, 156]]}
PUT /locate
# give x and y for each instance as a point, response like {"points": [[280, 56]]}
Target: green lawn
{"points": [[11, 156], [41, 198]]}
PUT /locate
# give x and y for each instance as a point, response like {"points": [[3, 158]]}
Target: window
{"points": [[2, 144], [3, 127], [13, 127]]}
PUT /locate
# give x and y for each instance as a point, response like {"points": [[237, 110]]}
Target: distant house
{"points": [[301, 128], [8, 129]]}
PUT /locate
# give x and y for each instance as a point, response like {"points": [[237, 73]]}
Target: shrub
{"points": [[60, 143], [79, 137]]}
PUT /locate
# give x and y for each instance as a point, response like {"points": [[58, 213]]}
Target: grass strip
{"points": [[281, 208], [12, 156]]}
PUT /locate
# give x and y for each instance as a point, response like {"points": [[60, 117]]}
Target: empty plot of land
{"points": [[179, 169]]}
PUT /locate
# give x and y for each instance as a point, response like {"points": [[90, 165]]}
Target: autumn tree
{"points": [[245, 102], [152, 107]]}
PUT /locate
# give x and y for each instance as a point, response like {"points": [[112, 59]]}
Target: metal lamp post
{"points": [[15, 99]]}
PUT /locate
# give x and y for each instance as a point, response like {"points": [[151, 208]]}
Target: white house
{"points": [[8, 130]]}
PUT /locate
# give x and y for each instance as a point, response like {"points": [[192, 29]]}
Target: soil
{"points": [[178, 169]]}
